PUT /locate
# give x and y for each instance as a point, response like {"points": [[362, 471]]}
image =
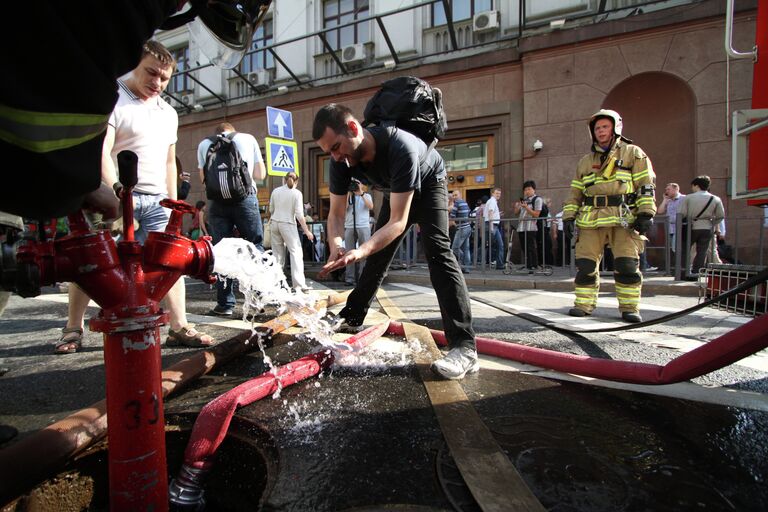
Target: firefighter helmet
{"points": [[222, 29], [618, 124]]}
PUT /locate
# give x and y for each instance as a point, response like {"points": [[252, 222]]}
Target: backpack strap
{"points": [[711, 198]]}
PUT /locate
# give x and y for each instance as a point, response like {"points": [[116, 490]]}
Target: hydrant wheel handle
{"points": [[179, 206]]}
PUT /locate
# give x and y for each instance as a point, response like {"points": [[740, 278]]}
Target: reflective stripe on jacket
{"points": [[42, 132], [624, 171]]}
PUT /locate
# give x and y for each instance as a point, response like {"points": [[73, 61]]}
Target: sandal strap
{"points": [[68, 330]]}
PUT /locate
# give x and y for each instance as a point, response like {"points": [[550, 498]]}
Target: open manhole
{"points": [[243, 474]]}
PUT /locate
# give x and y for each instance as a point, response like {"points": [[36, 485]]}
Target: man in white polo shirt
{"points": [[144, 123]]}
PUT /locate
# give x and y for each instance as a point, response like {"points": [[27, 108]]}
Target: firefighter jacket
{"points": [[611, 189]]}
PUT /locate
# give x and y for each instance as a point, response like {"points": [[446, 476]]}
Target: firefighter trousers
{"points": [[626, 245]]}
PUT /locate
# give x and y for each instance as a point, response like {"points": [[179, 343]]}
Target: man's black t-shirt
{"points": [[399, 165]]}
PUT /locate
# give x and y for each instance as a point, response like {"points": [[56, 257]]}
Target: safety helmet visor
{"points": [[223, 30]]}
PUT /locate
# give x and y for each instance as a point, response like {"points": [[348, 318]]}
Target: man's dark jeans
{"points": [[430, 211], [224, 218], [701, 238], [497, 246], [528, 248]]}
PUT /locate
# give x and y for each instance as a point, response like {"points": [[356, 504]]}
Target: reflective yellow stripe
{"points": [[638, 175], [43, 132]]}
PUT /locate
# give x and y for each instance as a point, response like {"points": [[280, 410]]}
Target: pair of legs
{"points": [[429, 210], [224, 218], [352, 235], [626, 246], [151, 217], [285, 235], [460, 246], [497, 246], [528, 248]]}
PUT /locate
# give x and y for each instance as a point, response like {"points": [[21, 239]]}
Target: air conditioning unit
{"points": [[260, 79], [188, 100], [485, 21], [353, 53]]}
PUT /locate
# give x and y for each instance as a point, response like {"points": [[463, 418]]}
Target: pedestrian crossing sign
{"points": [[282, 157]]}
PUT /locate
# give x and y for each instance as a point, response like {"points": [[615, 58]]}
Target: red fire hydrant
{"points": [[128, 281]]}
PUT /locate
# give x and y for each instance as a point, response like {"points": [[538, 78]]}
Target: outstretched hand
{"points": [[342, 260], [104, 201]]}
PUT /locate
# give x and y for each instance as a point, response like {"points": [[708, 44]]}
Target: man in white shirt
{"points": [[529, 209], [144, 123], [357, 227], [242, 214], [493, 220], [669, 207], [285, 208]]}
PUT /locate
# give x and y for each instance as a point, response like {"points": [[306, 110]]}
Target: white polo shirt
{"points": [[148, 128]]}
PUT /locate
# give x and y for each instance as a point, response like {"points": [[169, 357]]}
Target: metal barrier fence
{"points": [[719, 278], [744, 242]]}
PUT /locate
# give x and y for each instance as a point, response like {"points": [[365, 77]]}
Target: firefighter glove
{"points": [[643, 224]]}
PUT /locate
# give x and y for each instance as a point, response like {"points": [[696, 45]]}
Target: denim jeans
{"points": [[149, 214], [224, 218], [497, 246], [429, 210], [460, 246]]}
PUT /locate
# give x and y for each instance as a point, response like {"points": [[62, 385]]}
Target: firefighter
{"points": [[612, 203], [61, 87]]}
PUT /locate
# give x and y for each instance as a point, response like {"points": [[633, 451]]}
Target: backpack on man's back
{"points": [[225, 173], [411, 104]]}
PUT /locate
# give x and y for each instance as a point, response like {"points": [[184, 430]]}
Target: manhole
{"points": [[241, 478]]}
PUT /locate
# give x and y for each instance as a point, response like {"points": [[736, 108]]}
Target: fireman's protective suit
{"points": [[611, 199]]}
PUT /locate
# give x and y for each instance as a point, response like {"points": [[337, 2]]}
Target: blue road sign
{"points": [[281, 157], [279, 123]]}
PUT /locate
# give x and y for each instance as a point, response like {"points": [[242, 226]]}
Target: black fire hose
{"points": [[558, 327]]}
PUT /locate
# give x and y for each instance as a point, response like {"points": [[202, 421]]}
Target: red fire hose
{"points": [[213, 421], [718, 353]]}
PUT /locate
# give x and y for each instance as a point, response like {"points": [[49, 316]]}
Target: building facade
{"points": [[505, 85]]}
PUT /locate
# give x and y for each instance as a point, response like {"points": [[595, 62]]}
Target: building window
{"points": [[465, 155], [180, 82], [263, 36], [462, 10], [339, 12]]}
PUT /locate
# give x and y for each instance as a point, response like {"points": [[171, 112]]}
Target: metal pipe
{"points": [[729, 37]]}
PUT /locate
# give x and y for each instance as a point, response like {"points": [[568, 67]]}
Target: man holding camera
{"points": [[357, 226]]}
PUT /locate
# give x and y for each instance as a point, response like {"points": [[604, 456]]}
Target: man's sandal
{"points": [[187, 336], [70, 341]]}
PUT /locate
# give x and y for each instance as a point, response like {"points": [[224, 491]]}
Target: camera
{"points": [[538, 145], [354, 185]]}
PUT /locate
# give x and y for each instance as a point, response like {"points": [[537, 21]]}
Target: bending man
{"points": [[399, 164]]}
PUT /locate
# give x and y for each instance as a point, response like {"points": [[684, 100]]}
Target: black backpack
{"points": [[544, 208], [225, 173], [411, 104]]}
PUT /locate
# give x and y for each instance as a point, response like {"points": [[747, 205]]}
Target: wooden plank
{"points": [[491, 477]]}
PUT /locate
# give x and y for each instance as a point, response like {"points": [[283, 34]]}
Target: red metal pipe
{"points": [[212, 423], [718, 353]]}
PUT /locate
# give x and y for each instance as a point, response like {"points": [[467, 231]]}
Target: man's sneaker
{"points": [[633, 318], [219, 311], [578, 312], [340, 324], [457, 363]]}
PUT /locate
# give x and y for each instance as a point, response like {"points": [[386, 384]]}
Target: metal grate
{"points": [[719, 278]]}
